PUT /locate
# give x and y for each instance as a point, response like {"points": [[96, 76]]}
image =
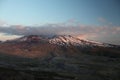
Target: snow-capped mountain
{"points": [[71, 40], [62, 40], [56, 45]]}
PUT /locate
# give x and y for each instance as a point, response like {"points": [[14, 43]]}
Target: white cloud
{"points": [[90, 32], [4, 37]]}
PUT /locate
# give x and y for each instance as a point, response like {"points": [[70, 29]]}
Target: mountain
{"points": [[58, 57], [63, 40], [56, 45], [67, 40]]}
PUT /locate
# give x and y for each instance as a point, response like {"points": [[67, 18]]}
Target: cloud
{"points": [[59, 29], [3, 23], [4, 36], [101, 33]]}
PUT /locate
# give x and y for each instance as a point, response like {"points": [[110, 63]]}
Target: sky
{"points": [[95, 19]]}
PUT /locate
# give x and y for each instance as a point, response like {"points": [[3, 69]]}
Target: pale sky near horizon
{"points": [[95, 13]]}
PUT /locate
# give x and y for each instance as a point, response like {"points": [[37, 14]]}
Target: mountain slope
{"points": [[58, 45]]}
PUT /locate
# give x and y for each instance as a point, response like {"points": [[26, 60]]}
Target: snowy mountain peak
{"points": [[68, 40], [63, 40]]}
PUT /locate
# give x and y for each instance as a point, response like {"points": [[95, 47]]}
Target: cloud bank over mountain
{"points": [[101, 33]]}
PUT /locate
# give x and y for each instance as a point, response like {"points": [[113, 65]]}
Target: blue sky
{"points": [[30, 12]]}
